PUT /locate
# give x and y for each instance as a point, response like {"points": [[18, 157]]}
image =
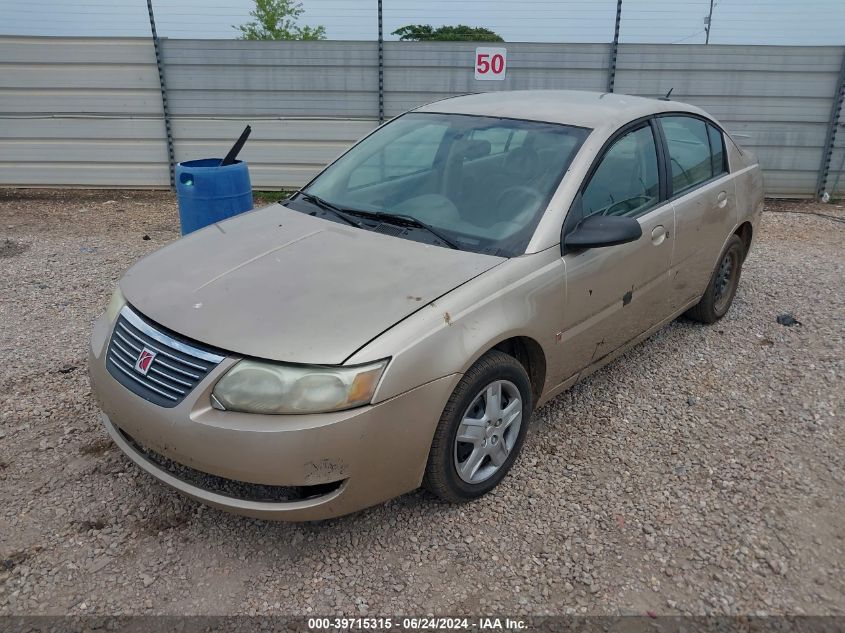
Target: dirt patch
{"points": [[18, 558], [10, 248], [163, 522], [98, 447], [92, 524]]}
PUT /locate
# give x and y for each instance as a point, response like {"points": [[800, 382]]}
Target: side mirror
{"points": [[603, 230]]}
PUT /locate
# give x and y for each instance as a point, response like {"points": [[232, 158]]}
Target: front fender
{"points": [[524, 296]]}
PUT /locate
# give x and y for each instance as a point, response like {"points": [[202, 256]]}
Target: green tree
{"points": [[276, 20], [459, 33]]}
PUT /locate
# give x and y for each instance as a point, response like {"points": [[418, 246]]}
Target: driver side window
{"points": [[626, 182]]}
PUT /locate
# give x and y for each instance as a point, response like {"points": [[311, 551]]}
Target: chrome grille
{"points": [[177, 365]]}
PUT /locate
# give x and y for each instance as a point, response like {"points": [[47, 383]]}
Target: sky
{"points": [[786, 22]]}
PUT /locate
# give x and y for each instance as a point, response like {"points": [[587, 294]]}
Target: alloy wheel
{"points": [[488, 431]]}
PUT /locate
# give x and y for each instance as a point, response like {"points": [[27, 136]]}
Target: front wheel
{"points": [[723, 284], [481, 430]]}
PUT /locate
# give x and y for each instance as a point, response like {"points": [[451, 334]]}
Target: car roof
{"points": [[570, 107]]}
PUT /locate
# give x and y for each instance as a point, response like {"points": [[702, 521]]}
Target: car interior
{"points": [[488, 182], [626, 181]]}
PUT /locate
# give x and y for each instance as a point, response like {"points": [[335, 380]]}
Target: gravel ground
{"points": [[701, 473]]}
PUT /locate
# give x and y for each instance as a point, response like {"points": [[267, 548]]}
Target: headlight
{"points": [[264, 387], [116, 304]]}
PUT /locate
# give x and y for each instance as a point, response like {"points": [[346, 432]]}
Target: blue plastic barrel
{"points": [[208, 193]]}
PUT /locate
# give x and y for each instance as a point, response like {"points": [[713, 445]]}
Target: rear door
{"points": [[617, 292], [704, 197]]}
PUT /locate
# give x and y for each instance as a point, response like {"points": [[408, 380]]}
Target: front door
{"points": [[615, 293]]}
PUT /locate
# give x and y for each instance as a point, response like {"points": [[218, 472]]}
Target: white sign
{"points": [[490, 63]]}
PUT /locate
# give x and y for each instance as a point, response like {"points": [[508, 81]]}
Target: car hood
{"points": [[282, 285]]}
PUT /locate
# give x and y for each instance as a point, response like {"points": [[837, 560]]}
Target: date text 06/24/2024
{"points": [[418, 623]]}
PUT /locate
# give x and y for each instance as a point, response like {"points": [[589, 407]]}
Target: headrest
{"points": [[473, 149]]}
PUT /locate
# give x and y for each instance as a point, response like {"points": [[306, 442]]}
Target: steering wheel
{"points": [[639, 200], [515, 192]]}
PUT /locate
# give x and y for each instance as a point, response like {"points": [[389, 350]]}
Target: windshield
{"points": [[480, 182]]}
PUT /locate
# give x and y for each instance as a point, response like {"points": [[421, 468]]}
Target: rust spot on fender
{"points": [[447, 318]]}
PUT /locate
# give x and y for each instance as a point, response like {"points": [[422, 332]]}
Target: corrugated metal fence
{"points": [[87, 111]]}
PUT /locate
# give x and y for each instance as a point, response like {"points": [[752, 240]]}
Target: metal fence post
{"points": [[380, 65], [830, 137], [709, 23], [614, 48], [171, 161]]}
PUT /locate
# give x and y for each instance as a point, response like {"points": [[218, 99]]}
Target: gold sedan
{"points": [[396, 321]]}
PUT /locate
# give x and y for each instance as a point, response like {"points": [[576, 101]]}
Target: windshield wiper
{"points": [[328, 206], [408, 220], [393, 218]]}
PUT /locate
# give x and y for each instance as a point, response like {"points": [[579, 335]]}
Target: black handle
{"points": [[236, 148]]}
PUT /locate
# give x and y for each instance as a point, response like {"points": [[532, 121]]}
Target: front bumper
{"points": [[362, 456]]}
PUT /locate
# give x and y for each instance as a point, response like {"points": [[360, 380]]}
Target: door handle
{"points": [[658, 234], [722, 199]]}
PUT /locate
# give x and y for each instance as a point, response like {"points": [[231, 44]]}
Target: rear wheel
{"points": [[721, 290], [481, 431]]}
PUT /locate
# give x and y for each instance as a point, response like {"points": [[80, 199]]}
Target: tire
{"points": [[472, 410], [720, 292]]}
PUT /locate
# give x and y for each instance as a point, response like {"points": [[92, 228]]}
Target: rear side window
{"points": [[696, 151], [689, 151], [717, 150], [626, 181]]}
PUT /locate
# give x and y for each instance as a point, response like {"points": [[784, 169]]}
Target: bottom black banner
{"points": [[269, 624]]}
